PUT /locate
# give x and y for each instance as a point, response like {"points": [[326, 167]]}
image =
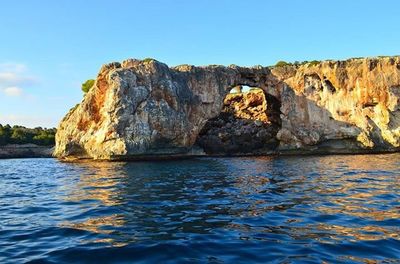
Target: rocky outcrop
{"points": [[25, 151], [144, 109], [341, 106], [248, 124]]}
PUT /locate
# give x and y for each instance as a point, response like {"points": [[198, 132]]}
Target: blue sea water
{"points": [[311, 209]]}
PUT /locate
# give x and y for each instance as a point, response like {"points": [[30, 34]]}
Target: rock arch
{"points": [[248, 124], [144, 109]]}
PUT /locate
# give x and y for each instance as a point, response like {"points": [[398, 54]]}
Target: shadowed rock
{"points": [[248, 124]]}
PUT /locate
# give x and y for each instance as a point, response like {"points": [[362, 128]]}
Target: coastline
{"points": [[17, 151], [12, 151], [155, 158]]}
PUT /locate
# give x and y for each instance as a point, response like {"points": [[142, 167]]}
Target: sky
{"points": [[48, 48]]}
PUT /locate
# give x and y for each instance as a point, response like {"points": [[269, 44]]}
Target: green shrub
{"points": [[86, 86], [282, 64], [5, 134], [23, 135], [147, 60], [44, 138], [314, 63], [19, 136]]}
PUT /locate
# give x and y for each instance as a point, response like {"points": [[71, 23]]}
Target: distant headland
{"points": [[21, 142]]}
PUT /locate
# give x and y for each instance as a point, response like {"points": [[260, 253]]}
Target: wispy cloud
{"points": [[13, 91], [15, 78], [13, 67]]}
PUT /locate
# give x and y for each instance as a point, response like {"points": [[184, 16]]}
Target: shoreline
{"points": [[25, 151], [15, 151], [186, 157]]}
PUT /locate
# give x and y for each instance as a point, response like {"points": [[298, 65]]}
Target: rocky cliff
{"points": [[144, 109]]}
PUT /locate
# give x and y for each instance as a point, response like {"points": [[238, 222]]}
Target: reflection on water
{"points": [[332, 208], [97, 182]]}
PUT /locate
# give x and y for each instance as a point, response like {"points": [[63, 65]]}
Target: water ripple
{"points": [[337, 209]]}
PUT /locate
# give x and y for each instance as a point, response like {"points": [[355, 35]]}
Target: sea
{"points": [[277, 209]]}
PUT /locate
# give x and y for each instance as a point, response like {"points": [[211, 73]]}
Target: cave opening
{"points": [[248, 124]]}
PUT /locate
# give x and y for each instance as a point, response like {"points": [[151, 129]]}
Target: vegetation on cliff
{"points": [[282, 64], [23, 135], [296, 63], [86, 86]]}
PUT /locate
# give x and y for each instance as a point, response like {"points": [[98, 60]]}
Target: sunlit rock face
{"points": [[341, 106], [144, 109]]}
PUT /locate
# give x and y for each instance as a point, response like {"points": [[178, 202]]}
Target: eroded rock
{"points": [[140, 109], [248, 124]]}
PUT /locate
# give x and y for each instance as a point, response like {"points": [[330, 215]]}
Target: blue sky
{"points": [[48, 48]]}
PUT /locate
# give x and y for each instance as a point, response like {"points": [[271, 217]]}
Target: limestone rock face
{"points": [[350, 105], [141, 109], [144, 109]]}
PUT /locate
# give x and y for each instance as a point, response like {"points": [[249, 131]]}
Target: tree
{"points": [[44, 138], [23, 135], [5, 134], [18, 136], [86, 86]]}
